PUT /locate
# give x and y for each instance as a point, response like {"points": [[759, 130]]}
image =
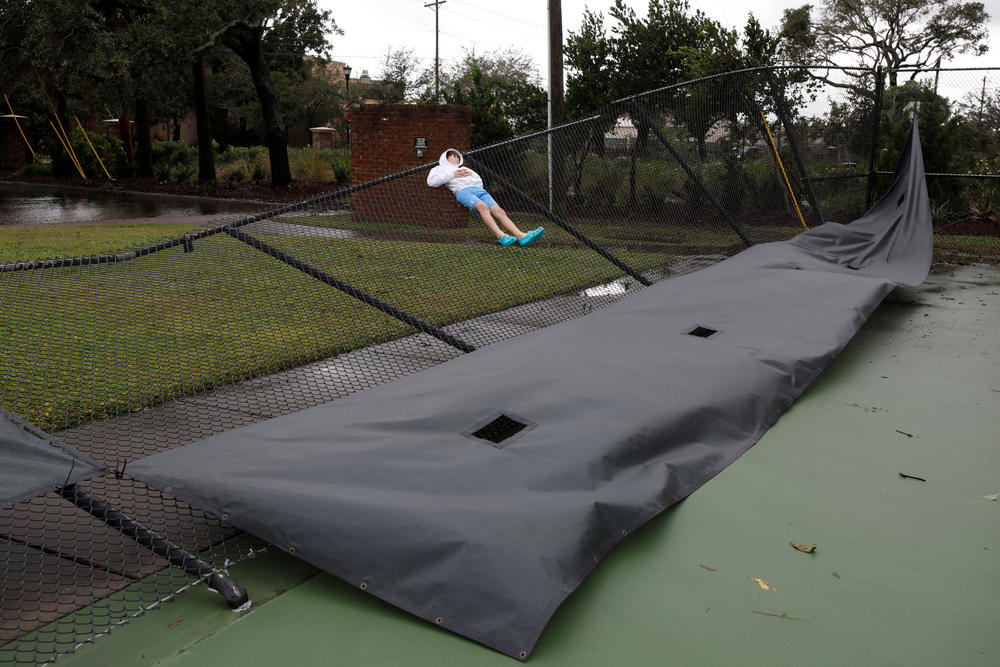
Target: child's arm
{"points": [[439, 175]]}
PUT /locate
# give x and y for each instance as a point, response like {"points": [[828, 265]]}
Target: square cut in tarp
{"points": [[32, 463], [387, 490]]}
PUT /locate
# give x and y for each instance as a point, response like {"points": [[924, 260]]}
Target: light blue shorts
{"points": [[469, 197]]}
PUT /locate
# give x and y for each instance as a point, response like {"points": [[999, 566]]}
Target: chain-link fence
{"points": [[127, 354]]}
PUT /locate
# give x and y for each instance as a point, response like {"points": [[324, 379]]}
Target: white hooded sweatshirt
{"points": [[444, 174]]}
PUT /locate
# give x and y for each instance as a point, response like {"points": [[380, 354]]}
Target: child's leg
{"points": [[505, 220], [484, 212]]}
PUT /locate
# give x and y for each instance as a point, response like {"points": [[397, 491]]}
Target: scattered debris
{"points": [[782, 615], [805, 548], [763, 584], [992, 496], [835, 575], [908, 435], [711, 569], [170, 625], [919, 479], [866, 408]]}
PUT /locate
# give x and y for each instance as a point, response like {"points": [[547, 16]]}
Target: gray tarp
{"points": [[626, 415], [32, 463]]}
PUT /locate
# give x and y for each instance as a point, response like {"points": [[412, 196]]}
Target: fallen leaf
{"points": [[170, 625], [805, 548], [992, 496], [763, 584]]}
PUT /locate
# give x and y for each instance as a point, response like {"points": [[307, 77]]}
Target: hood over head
{"points": [[443, 160]]}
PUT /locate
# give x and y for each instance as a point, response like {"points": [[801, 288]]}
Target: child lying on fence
{"points": [[468, 189]]}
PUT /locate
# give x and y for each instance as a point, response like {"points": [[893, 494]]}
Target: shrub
{"points": [[593, 184], [259, 170], [174, 161], [111, 150], [234, 172], [252, 163], [342, 164], [309, 164], [35, 169]]}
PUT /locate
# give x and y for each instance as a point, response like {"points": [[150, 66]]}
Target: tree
{"points": [[892, 34], [56, 48], [400, 75], [983, 108], [291, 29], [502, 88], [313, 96], [649, 52], [589, 57]]}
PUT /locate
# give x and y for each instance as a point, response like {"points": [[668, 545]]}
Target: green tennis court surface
{"points": [[905, 573]]}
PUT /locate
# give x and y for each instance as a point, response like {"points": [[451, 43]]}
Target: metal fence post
{"points": [[562, 223], [786, 121], [693, 176], [876, 119]]}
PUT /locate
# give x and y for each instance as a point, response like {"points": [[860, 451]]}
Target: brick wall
{"points": [[382, 138]]}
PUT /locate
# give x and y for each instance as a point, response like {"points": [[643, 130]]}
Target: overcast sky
{"points": [[372, 26]]}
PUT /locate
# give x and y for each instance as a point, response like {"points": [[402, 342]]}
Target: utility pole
{"points": [[982, 100], [556, 112], [437, 62], [556, 107]]}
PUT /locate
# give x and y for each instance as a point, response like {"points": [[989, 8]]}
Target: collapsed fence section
{"points": [[139, 350]]}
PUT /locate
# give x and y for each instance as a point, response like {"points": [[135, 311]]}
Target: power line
{"points": [[476, 18], [509, 17]]}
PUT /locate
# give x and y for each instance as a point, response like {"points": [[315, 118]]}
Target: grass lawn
{"points": [[79, 343], [613, 234], [48, 241], [87, 342]]}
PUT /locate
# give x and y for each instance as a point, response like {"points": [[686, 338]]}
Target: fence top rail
{"points": [[775, 68]]}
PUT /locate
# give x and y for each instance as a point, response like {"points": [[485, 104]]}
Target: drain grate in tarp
{"points": [[702, 332], [500, 430]]}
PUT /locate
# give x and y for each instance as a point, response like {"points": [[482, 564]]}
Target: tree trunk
{"points": [[125, 130], [144, 161], [206, 154], [62, 164], [557, 179], [246, 42]]}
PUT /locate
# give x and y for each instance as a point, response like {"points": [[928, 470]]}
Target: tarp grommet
{"points": [[291, 550], [439, 620], [523, 655], [364, 586], [224, 517]]}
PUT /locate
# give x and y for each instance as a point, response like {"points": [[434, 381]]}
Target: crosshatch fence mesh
{"points": [[131, 353]]}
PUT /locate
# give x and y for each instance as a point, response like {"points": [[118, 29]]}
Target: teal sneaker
{"points": [[530, 237], [507, 240]]}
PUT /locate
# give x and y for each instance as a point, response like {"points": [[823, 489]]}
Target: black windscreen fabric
{"points": [[625, 413], [32, 464]]}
